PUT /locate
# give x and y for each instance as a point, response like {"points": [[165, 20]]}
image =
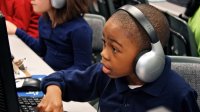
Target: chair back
{"points": [[96, 22], [103, 7], [182, 41], [189, 69]]}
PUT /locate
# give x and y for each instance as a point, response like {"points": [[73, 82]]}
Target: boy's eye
{"points": [[114, 50]]}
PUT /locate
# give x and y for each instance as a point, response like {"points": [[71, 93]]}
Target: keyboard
{"points": [[28, 104]]}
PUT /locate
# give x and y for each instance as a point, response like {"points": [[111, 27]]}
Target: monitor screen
{"points": [[8, 94]]}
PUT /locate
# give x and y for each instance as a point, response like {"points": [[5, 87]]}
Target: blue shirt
{"points": [[67, 46], [169, 90]]}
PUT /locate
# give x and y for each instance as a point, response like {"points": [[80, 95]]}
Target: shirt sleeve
{"points": [[78, 85], [37, 45]]}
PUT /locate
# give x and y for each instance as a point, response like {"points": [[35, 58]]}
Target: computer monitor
{"points": [[8, 93]]}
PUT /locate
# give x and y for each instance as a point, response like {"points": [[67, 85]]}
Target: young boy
{"points": [[117, 80]]}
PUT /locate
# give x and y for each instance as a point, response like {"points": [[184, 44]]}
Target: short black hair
{"points": [[136, 32]]}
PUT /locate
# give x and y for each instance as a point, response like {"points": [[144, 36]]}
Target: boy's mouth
{"points": [[106, 70]]}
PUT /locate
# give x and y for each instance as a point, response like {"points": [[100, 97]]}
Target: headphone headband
{"points": [[140, 17]]}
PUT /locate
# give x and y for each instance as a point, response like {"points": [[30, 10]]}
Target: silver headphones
{"points": [[150, 64], [58, 4]]}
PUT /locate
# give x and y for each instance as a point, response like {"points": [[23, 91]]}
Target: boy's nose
{"points": [[104, 54]]}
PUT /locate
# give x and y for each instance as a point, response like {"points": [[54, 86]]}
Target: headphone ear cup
{"points": [[58, 4], [145, 66], [138, 58], [150, 65]]}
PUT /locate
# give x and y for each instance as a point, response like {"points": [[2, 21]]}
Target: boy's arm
{"points": [[78, 85]]}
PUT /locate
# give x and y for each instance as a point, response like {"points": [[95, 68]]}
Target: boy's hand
{"points": [[11, 28], [52, 101]]}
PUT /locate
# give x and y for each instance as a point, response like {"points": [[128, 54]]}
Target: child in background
{"points": [[134, 74], [20, 13], [192, 12], [65, 40], [194, 24]]}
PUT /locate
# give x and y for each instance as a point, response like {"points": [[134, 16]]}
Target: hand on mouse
{"points": [[52, 101]]}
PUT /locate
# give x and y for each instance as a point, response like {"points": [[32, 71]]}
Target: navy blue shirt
{"points": [[169, 90], [67, 46]]}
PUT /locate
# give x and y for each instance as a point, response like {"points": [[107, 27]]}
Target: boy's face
{"points": [[118, 51]]}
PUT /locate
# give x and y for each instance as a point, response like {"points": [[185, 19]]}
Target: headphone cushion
{"points": [[138, 57]]}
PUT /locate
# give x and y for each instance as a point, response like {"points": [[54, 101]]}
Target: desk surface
{"points": [[36, 65], [168, 7]]}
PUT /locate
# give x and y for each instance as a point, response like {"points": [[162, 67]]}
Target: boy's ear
{"points": [[149, 63]]}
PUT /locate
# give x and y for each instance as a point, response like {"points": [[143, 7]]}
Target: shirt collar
{"points": [[121, 85]]}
